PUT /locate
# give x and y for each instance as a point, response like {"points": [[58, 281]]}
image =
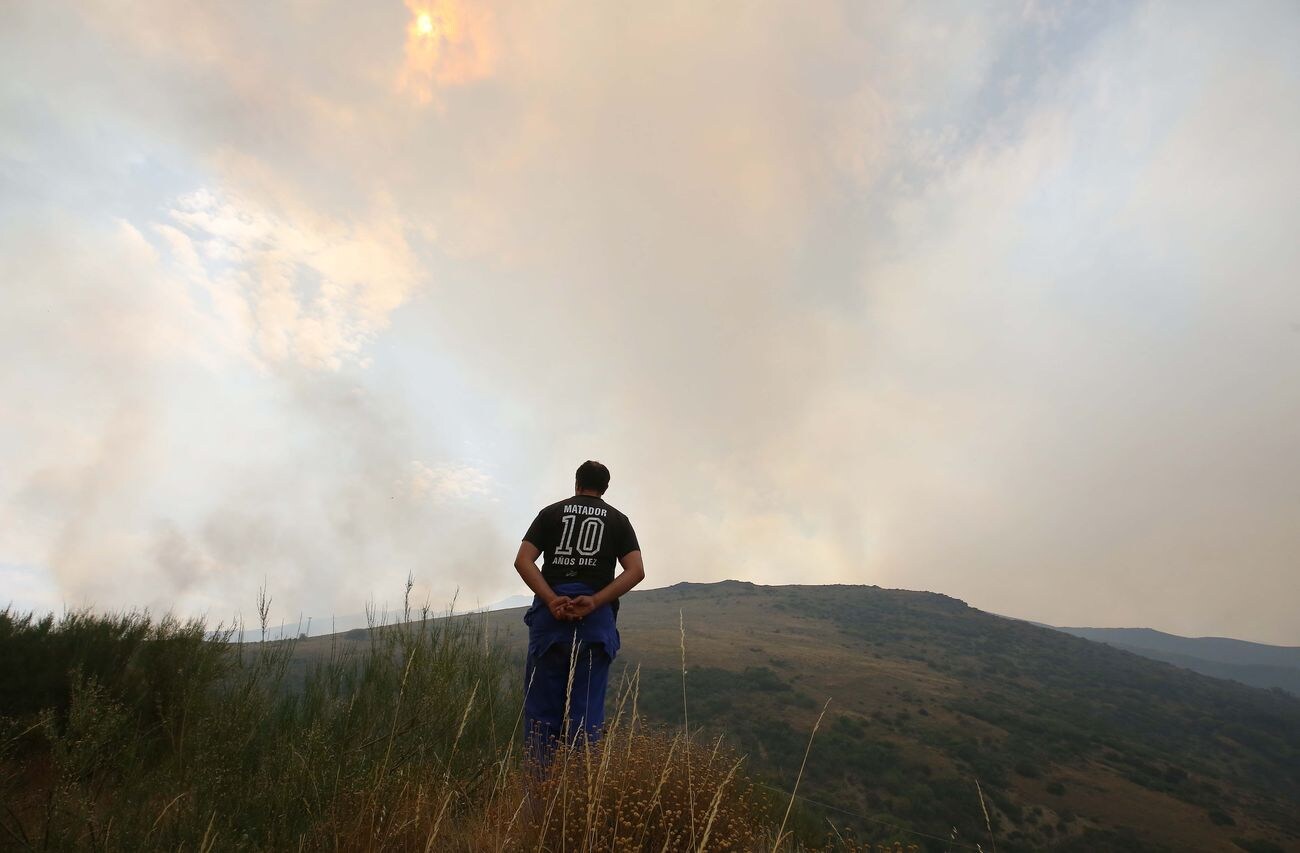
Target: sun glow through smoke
{"points": [[448, 43]]}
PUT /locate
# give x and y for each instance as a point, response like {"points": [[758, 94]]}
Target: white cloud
{"points": [[993, 301], [450, 484], [308, 290]]}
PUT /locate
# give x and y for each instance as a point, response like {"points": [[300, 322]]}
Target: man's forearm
{"points": [[626, 579], [533, 577]]}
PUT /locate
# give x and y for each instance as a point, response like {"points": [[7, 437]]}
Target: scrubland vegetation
{"points": [[121, 732]]}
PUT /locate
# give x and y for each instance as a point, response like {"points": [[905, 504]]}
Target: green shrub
{"points": [[1028, 769], [152, 731]]}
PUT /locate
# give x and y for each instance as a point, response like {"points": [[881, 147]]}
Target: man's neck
{"points": [[586, 493]]}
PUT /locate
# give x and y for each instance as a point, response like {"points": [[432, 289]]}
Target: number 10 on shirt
{"points": [[590, 533]]}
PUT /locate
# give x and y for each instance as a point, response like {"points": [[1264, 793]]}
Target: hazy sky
{"points": [[997, 300]]}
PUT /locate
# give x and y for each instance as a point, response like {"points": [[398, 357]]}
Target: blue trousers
{"points": [[548, 695]]}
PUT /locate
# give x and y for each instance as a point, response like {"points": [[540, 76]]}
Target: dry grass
{"points": [[641, 788]]}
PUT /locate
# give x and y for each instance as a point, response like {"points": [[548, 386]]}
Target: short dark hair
{"points": [[593, 476]]}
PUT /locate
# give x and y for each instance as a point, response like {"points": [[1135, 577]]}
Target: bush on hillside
{"points": [[147, 733]]}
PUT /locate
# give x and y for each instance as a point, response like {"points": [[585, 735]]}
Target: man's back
{"points": [[572, 633], [581, 538]]}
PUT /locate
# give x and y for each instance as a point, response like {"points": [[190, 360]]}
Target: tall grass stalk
{"points": [[686, 725], [987, 823], [802, 764]]}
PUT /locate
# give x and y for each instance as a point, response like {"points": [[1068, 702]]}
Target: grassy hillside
{"points": [[1077, 745], [121, 733]]}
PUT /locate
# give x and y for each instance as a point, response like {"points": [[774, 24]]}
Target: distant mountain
{"points": [[1256, 664], [512, 602]]}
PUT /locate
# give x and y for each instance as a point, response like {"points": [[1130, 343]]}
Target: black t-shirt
{"points": [[581, 537]]}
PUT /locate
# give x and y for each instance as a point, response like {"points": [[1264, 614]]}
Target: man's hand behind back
{"points": [[567, 609], [561, 608], [581, 606]]}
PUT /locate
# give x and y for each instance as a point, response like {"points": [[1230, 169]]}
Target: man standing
{"points": [[572, 628]]}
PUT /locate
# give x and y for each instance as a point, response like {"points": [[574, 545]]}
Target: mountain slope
{"points": [[1255, 664], [1076, 745]]}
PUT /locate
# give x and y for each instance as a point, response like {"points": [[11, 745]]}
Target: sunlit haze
{"points": [[997, 300]]}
